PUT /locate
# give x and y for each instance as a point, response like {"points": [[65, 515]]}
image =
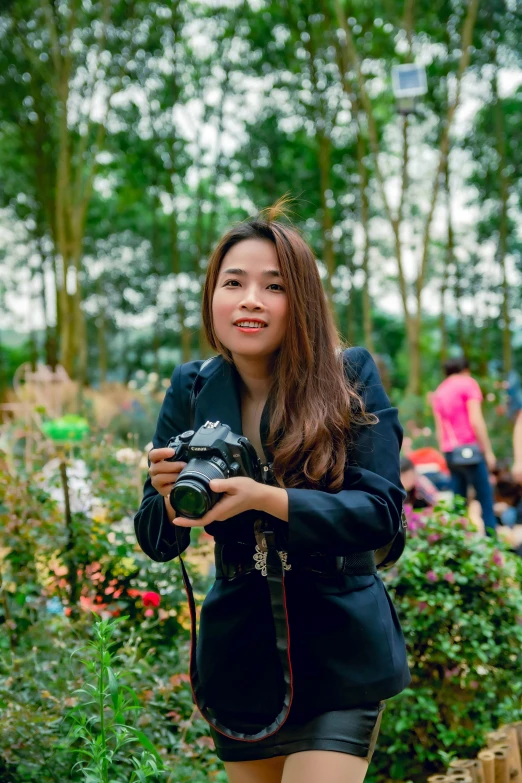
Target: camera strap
{"points": [[276, 586]]}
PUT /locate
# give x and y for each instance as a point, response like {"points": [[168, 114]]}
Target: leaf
{"points": [[145, 742], [113, 687]]}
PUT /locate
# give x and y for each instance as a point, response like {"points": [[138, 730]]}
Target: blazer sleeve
{"points": [[366, 514], [155, 532]]}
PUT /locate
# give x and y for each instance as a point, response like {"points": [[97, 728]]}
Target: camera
{"points": [[213, 452]]}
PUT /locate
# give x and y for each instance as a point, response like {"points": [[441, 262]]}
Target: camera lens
{"points": [[190, 500], [191, 495]]}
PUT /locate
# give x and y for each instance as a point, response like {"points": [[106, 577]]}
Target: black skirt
{"points": [[352, 731]]}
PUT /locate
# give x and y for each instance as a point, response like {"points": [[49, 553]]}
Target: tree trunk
{"points": [[102, 346], [503, 227], [366, 299], [325, 149], [185, 336], [445, 274]]}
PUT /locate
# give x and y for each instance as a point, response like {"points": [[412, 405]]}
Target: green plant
{"points": [[458, 595], [101, 719]]}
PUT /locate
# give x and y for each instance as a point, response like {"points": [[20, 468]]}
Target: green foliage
{"points": [[38, 677], [103, 720], [458, 596]]}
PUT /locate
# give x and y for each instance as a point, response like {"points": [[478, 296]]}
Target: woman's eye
{"points": [[237, 281]]}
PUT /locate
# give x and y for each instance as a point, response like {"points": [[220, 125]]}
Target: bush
{"points": [[113, 577], [459, 599], [457, 594]]}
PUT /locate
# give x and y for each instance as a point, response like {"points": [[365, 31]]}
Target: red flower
{"points": [[151, 599]]}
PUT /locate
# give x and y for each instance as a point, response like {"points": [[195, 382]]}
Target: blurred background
{"points": [[132, 134]]}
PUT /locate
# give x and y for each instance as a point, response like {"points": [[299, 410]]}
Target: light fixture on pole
{"points": [[408, 83]]}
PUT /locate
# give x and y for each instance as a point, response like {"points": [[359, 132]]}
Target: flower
{"points": [[422, 605], [128, 456], [151, 599], [149, 613], [433, 537], [497, 557], [449, 576], [431, 576], [449, 673]]}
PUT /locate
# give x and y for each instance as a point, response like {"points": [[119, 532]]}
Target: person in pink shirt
{"points": [[459, 422]]}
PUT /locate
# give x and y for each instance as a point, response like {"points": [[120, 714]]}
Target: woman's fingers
{"points": [[157, 455], [166, 470], [164, 478], [166, 467]]}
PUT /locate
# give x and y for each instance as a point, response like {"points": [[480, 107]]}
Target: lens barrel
{"points": [[191, 495]]}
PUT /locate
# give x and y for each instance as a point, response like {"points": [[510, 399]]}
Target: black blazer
{"points": [[347, 646]]}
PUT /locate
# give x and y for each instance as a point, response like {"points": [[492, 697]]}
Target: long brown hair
{"points": [[315, 405]]}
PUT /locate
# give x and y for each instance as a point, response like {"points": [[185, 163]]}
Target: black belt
{"points": [[235, 559]]}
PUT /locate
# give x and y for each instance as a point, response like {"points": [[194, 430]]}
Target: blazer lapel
{"points": [[220, 400]]}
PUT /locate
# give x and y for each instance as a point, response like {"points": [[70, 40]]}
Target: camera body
{"points": [[212, 452]]}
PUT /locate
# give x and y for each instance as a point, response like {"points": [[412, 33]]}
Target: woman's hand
{"points": [[240, 494], [163, 475]]}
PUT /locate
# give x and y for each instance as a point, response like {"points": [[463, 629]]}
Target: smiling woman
{"points": [[246, 301], [319, 416]]}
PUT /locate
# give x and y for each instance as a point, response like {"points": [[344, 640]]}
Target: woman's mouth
{"points": [[251, 327]]}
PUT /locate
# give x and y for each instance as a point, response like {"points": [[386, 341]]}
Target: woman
{"points": [[459, 423], [322, 419]]}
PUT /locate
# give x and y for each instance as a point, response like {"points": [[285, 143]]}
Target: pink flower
{"points": [[497, 558], [149, 612], [151, 599], [431, 576], [496, 586], [450, 577], [422, 606], [433, 537], [473, 684]]}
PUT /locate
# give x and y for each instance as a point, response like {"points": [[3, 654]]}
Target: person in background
{"points": [[459, 422], [430, 463], [507, 496], [420, 492], [514, 393]]}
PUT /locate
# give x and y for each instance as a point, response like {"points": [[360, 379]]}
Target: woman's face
{"points": [[249, 288]]}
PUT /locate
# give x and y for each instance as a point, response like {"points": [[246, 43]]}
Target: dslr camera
{"points": [[213, 452]]}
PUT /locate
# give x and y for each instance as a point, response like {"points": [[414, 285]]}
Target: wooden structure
{"points": [[37, 393]]}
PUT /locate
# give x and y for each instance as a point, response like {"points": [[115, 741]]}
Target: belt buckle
{"points": [[261, 553]]}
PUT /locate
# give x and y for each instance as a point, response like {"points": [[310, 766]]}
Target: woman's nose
{"points": [[251, 296]]}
